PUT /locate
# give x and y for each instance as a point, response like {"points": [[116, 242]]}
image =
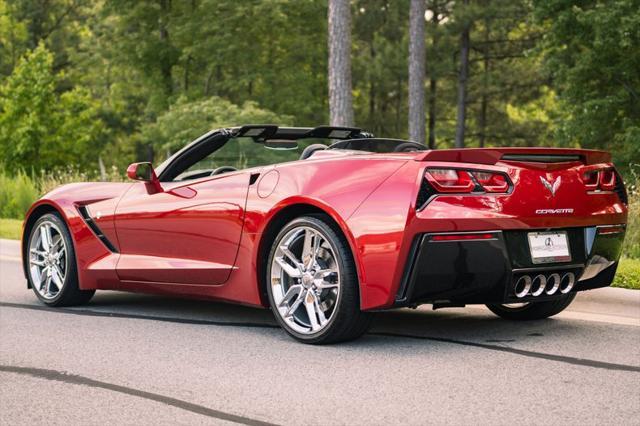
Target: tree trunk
{"points": [[462, 84], [417, 59], [339, 29], [433, 86], [165, 65], [484, 101], [433, 83]]}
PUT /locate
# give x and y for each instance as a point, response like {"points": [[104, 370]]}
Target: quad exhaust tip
{"points": [[539, 284], [553, 284], [567, 282], [522, 287]]}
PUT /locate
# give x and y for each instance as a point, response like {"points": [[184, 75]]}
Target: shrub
{"points": [[17, 193]]}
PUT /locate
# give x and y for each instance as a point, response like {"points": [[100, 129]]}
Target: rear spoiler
{"points": [[526, 155]]}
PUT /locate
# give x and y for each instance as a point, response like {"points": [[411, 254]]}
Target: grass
{"points": [[628, 275], [11, 229]]}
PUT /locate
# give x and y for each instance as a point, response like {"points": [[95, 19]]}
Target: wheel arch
{"points": [[35, 213], [284, 215]]}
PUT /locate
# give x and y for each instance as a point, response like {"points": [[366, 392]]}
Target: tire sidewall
{"points": [[70, 279], [338, 245]]}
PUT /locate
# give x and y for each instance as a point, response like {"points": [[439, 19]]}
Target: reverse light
{"points": [[467, 181]]}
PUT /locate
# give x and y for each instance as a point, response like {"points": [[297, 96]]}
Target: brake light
{"points": [[467, 181], [607, 180], [450, 180], [599, 179], [492, 182], [590, 180]]}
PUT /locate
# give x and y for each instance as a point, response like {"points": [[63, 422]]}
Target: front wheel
{"points": [[532, 310], [312, 283], [52, 264]]}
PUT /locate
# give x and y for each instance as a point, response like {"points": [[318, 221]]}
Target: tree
{"points": [[40, 128], [463, 75], [339, 43], [591, 53], [417, 58]]}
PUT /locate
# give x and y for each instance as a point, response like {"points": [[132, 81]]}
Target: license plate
{"points": [[548, 247]]}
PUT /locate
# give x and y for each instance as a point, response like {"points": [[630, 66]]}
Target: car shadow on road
{"points": [[464, 324]]}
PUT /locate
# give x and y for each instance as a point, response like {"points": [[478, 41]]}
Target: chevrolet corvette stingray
{"points": [[326, 225]]}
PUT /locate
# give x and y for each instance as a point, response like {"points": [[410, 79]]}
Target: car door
{"points": [[187, 233]]}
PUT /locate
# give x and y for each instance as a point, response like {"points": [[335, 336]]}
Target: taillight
{"points": [[492, 182], [599, 179], [450, 180], [467, 181], [590, 179], [607, 180]]}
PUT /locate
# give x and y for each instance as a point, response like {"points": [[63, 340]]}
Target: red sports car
{"points": [[326, 233]]}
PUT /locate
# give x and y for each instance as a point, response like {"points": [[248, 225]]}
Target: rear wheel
{"points": [[52, 264], [312, 283], [532, 310]]}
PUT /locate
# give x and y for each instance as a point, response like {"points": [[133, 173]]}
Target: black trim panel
{"points": [[84, 212]]}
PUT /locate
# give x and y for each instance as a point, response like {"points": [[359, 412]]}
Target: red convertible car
{"points": [[327, 233]]}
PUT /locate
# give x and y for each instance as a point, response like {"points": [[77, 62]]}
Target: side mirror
{"points": [[144, 172]]}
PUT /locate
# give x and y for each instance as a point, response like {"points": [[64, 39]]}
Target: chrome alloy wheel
{"points": [[305, 279], [48, 261]]}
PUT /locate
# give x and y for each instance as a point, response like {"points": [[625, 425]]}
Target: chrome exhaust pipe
{"points": [[522, 286], [567, 282], [553, 284], [538, 284]]}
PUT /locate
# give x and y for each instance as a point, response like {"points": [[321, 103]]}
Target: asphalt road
{"points": [[136, 359]]}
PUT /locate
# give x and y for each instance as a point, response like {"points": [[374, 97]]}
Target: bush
{"points": [[632, 238], [17, 193], [628, 274]]}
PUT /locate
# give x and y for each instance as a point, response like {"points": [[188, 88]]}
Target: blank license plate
{"points": [[548, 247]]}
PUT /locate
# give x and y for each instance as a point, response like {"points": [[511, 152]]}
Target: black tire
{"points": [[533, 310], [348, 322], [71, 294]]}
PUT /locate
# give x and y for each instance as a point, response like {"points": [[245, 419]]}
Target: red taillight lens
{"points": [[590, 179], [492, 182], [607, 180], [599, 179], [450, 180], [466, 181]]}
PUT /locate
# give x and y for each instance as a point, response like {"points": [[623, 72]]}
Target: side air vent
{"points": [[424, 194], [84, 212], [541, 158], [620, 189]]}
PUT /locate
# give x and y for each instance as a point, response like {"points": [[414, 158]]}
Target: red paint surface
{"points": [[202, 238]]}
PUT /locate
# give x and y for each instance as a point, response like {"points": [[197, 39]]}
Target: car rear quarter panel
{"points": [[336, 186]]}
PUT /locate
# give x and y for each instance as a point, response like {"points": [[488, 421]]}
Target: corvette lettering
{"points": [[554, 211]]}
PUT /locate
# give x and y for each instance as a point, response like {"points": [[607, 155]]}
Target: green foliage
{"points": [[17, 193], [632, 237], [41, 129], [628, 274], [11, 229], [591, 52], [184, 121]]}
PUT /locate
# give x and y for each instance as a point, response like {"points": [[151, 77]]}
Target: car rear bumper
{"points": [[486, 270]]}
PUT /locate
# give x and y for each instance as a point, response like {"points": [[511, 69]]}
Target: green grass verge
{"points": [[10, 229], [628, 275]]}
